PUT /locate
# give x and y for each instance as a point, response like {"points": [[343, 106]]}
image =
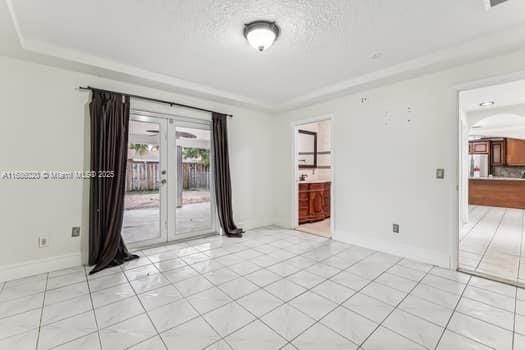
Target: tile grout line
{"points": [[185, 298], [135, 292], [324, 280], [145, 311], [476, 224], [521, 243], [396, 307], [93, 308], [487, 211], [289, 342], [337, 305], [42, 312], [461, 297], [266, 268], [343, 301], [514, 318], [303, 254], [256, 317], [151, 263], [262, 287], [491, 239], [453, 312]]}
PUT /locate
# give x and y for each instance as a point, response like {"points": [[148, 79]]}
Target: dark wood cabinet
{"points": [[501, 151], [314, 202], [497, 153], [479, 147]]}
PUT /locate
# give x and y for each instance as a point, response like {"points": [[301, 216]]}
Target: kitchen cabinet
{"points": [[515, 152], [497, 153], [479, 147], [501, 151], [497, 192], [314, 201]]}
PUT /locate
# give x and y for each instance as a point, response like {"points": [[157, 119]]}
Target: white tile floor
{"points": [[320, 228], [492, 243], [273, 289]]}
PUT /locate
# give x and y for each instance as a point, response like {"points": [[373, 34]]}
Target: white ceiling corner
{"points": [[197, 47]]}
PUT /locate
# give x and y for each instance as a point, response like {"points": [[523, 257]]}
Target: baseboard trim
{"points": [[35, 267], [396, 248]]}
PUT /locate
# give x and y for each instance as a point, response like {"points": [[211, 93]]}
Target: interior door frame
{"points": [[462, 182], [294, 215], [172, 121], [163, 188]]}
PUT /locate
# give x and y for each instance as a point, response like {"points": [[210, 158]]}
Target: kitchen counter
{"points": [[497, 178], [505, 192]]}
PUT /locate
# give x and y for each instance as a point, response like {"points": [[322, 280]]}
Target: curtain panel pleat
{"points": [[221, 162], [109, 113]]}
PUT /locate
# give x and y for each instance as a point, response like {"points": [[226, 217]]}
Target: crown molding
{"points": [[496, 43]]}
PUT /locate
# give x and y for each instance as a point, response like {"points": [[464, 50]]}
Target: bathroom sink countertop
{"points": [[312, 181]]}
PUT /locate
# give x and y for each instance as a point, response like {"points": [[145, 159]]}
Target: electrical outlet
{"points": [[75, 231], [395, 228], [440, 173], [42, 242]]}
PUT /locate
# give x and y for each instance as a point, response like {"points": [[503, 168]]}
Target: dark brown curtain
{"points": [[109, 114], [223, 189]]}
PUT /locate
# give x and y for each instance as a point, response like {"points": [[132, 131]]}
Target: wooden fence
{"points": [[145, 176], [195, 175]]}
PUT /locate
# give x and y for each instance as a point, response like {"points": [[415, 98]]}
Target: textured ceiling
{"points": [[322, 42]]}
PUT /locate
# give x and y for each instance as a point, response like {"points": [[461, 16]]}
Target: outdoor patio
{"points": [[142, 215]]}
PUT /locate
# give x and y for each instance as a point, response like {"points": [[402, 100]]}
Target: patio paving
{"points": [[144, 224]]}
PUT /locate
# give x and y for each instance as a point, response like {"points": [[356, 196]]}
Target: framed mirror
{"points": [[307, 149]]}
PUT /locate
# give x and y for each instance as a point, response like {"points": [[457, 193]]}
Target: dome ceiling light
{"points": [[486, 103], [261, 34]]}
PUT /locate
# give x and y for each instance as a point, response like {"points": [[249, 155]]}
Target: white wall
{"points": [[45, 127], [385, 158]]}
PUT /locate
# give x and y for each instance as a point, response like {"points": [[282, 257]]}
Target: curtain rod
{"points": [[151, 99]]}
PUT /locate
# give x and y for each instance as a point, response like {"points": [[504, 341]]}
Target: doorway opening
{"points": [[492, 182], [313, 177], [168, 180]]}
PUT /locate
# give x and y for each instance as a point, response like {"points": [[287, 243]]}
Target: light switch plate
{"points": [[75, 231], [42, 242], [440, 173]]}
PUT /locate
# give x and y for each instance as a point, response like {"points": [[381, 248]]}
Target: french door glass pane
{"points": [[142, 211], [193, 213]]}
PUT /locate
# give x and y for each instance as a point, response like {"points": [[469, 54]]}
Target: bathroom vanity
{"points": [[314, 201]]}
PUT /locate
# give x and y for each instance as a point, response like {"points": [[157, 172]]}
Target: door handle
{"points": [[163, 181]]}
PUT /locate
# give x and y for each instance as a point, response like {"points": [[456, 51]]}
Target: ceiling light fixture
{"points": [[261, 34], [486, 103]]}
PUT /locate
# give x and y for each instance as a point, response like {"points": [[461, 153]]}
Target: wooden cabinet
{"points": [[497, 153], [501, 151], [506, 193], [515, 152], [479, 147], [314, 202]]}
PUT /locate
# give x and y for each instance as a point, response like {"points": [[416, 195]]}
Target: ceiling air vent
{"points": [[491, 3]]}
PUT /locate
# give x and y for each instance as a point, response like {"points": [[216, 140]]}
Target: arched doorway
{"points": [[491, 243]]}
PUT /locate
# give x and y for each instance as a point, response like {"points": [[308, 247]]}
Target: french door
{"points": [[169, 188]]}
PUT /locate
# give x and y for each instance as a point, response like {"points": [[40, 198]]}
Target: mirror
{"points": [[307, 149]]}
